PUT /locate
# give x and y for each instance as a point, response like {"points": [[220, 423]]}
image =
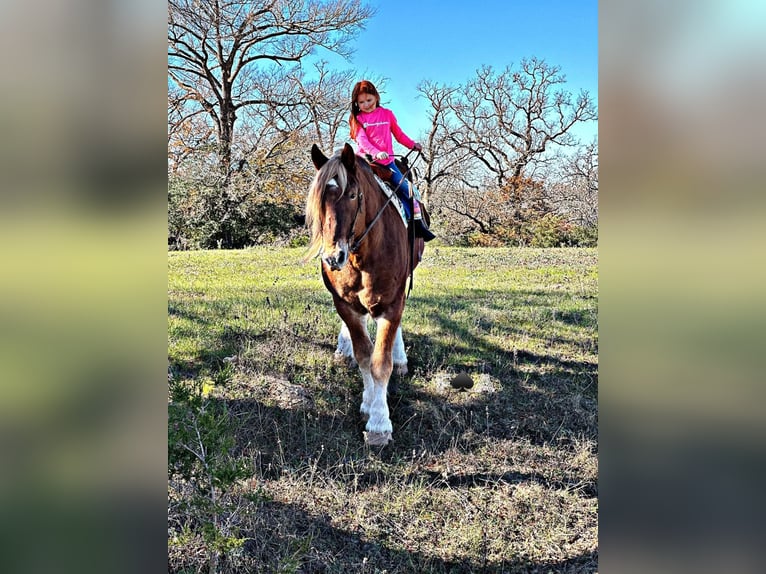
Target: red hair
{"points": [[363, 87]]}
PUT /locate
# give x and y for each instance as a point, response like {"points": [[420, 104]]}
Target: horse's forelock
{"points": [[337, 171], [332, 170]]}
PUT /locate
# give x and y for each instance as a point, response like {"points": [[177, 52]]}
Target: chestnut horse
{"points": [[365, 265]]}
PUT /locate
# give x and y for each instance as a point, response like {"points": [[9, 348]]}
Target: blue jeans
{"points": [[403, 190]]}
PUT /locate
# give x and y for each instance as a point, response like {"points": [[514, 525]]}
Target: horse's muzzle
{"points": [[337, 259]]}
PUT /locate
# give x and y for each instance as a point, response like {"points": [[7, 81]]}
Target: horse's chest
{"points": [[369, 298], [362, 293]]}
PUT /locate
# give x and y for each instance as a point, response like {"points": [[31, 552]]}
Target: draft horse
{"points": [[365, 263]]}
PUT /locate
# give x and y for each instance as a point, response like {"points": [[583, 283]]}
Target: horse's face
{"points": [[334, 206], [341, 212]]}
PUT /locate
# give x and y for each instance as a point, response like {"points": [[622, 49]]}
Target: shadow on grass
{"points": [[221, 336], [466, 338], [301, 441], [209, 357], [288, 534], [545, 397], [297, 450], [549, 386]]}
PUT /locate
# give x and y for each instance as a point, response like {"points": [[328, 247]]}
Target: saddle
{"points": [[384, 174]]}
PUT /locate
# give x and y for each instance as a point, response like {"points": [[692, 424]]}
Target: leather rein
{"points": [[356, 244]]}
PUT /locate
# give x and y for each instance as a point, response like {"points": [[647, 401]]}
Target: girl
{"points": [[371, 128]]}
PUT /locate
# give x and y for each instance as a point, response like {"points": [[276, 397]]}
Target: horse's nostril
{"points": [[341, 257]]}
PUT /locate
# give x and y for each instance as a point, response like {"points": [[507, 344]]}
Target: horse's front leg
{"points": [[379, 428], [355, 338], [344, 352], [400, 355]]}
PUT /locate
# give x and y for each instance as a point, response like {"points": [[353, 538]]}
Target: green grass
{"points": [[502, 478]]}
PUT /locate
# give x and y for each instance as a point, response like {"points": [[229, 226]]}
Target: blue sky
{"points": [[408, 41]]}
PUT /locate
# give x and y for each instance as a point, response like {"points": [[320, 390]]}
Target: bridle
{"points": [[354, 245], [360, 199]]}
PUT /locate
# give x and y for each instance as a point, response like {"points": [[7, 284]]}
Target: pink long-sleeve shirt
{"points": [[374, 135]]}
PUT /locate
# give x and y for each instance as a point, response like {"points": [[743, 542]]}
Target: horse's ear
{"points": [[317, 157], [348, 157]]}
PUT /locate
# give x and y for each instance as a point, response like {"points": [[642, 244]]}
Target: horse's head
{"points": [[333, 206]]}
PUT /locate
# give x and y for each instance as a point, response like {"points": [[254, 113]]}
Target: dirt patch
{"points": [[274, 391], [483, 384]]}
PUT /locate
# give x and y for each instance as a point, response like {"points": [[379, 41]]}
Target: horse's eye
{"points": [[352, 196]]}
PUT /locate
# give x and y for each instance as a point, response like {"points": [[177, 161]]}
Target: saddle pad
{"points": [[395, 200]]}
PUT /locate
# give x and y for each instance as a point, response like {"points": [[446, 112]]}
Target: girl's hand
{"points": [[381, 155], [417, 147]]}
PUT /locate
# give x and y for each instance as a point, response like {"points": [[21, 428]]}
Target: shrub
{"points": [[584, 236], [202, 468], [208, 216], [549, 231], [479, 239]]}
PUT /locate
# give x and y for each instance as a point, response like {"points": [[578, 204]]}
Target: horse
{"points": [[365, 262]]}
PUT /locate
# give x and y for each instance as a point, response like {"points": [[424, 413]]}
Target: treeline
{"points": [[500, 165]]}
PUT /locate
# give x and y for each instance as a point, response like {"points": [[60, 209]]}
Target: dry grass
{"points": [[501, 478]]}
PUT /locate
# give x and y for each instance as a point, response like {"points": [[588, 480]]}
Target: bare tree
{"points": [[444, 162], [509, 120], [188, 132], [226, 55], [493, 133], [326, 95], [574, 193]]}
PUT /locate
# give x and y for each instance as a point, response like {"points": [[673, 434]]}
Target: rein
{"points": [[355, 247], [410, 228]]}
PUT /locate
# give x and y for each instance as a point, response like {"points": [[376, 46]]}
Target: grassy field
{"points": [[268, 469]]}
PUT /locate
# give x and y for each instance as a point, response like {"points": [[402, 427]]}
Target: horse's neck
{"points": [[387, 229]]}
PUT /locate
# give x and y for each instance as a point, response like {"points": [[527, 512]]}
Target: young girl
{"points": [[371, 128]]}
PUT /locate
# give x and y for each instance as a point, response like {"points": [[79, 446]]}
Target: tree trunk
{"points": [[228, 117]]}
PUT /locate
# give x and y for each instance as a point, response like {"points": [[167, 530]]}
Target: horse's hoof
{"points": [[401, 370], [377, 438], [343, 360]]}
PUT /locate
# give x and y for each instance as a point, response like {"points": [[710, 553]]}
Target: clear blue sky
{"points": [[408, 41]]}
